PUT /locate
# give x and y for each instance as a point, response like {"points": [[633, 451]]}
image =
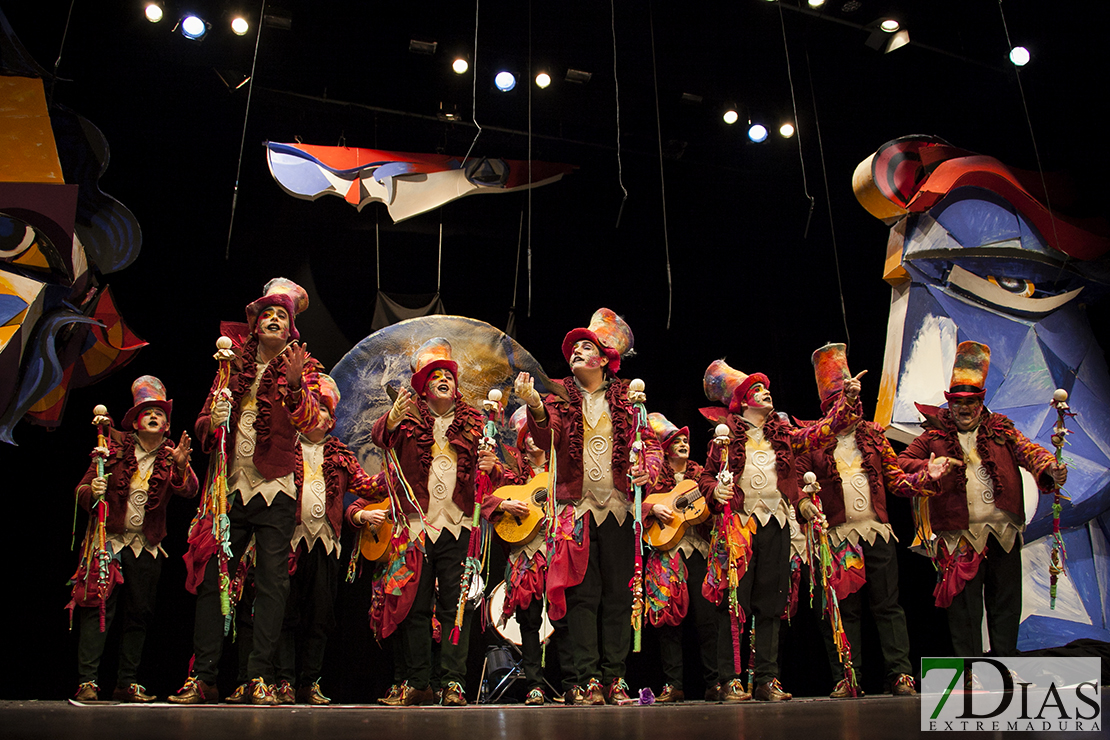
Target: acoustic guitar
{"points": [[689, 508], [374, 542], [519, 530]]}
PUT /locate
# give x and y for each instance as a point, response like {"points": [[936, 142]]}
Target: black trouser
{"points": [[703, 615], [997, 584], [762, 592], [444, 561], [602, 599], [880, 562], [138, 592], [309, 615], [530, 621], [272, 527]]}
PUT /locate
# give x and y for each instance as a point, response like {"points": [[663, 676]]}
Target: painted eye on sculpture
{"points": [[1017, 286]]}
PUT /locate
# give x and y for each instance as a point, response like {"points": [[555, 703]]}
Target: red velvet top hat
{"points": [[665, 429], [279, 292], [969, 373], [609, 332], [728, 386], [830, 366], [146, 391], [434, 353]]}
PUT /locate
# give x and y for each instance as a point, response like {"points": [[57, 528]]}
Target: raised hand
{"points": [[181, 453], [852, 387], [403, 406], [294, 366], [525, 388], [940, 466]]}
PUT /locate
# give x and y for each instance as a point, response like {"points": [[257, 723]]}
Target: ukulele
{"points": [[519, 530], [689, 507], [374, 542]]}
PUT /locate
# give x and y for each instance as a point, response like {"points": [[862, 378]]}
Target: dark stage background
{"points": [[754, 277]]}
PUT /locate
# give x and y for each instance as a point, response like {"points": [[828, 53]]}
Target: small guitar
{"points": [[519, 530], [374, 541], [689, 508]]}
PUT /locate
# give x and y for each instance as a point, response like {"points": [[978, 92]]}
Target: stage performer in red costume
{"points": [[856, 472], [526, 568], [673, 578], [326, 470], [979, 515], [591, 425], [752, 534], [272, 393], [434, 435], [142, 470]]}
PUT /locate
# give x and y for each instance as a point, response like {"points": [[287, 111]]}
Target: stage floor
{"points": [[872, 718]]}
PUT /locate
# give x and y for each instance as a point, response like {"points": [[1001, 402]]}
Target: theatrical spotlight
{"points": [[886, 35], [153, 12], [786, 130], [1019, 56], [543, 79], [193, 27], [504, 81], [460, 66], [239, 25], [757, 133], [731, 116]]}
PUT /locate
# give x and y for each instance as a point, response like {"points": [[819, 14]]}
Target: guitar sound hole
{"points": [[540, 496]]}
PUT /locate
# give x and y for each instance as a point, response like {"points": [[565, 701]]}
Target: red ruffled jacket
{"points": [[564, 425], [786, 441], [275, 452], [164, 481], [879, 463], [1001, 447]]}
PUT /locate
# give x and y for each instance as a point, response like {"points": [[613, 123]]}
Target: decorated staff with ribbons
{"points": [[674, 573], [977, 519], [855, 473], [432, 437], [590, 423], [755, 537], [326, 470], [133, 475], [272, 393], [526, 567]]}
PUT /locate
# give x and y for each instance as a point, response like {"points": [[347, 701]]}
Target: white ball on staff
{"points": [[721, 430], [223, 343], [494, 395], [100, 410], [636, 386], [1060, 395], [809, 478]]}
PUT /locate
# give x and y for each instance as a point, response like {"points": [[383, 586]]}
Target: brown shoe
{"points": [[771, 691], [843, 690], [132, 693], [312, 695], [734, 691], [393, 698], [593, 694], [453, 695], [713, 693], [87, 691], [241, 695], [535, 698], [196, 691], [284, 694], [262, 694], [411, 697], [902, 686], [670, 695], [574, 696], [618, 693]]}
